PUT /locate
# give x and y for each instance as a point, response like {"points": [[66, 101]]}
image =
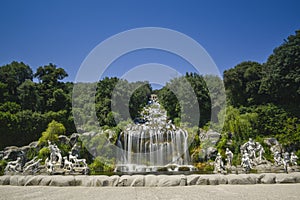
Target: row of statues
{"points": [[252, 155], [286, 160], [54, 164]]}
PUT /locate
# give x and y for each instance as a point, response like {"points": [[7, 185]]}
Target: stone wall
{"points": [[149, 180]]}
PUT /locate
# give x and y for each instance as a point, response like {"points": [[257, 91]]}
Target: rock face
{"points": [[210, 137], [273, 144], [12, 152], [149, 180]]}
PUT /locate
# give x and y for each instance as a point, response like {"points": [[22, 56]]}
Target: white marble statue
{"points": [[55, 153], [254, 150], [293, 159], [74, 159], [286, 161], [218, 164], [54, 162], [229, 157], [30, 162], [49, 166], [251, 148], [68, 165], [33, 167], [14, 166], [75, 149], [246, 162], [260, 150], [277, 158]]}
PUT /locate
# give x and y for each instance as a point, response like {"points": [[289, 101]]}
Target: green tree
{"points": [[238, 127], [13, 75], [11, 107], [28, 95], [50, 74], [59, 101], [217, 95], [8, 130], [179, 101], [281, 80], [49, 77], [3, 92], [53, 131], [139, 98], [242, 84], [271, 119], [291, 136], [170, 102], [121, 95]]}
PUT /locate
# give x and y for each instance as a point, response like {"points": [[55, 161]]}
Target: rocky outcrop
{"points": [[12, 152], [149, 180], [209, 138], [273, 144], [210, 135]]}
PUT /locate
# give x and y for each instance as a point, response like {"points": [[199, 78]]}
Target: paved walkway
{"points": [[224, 192]]}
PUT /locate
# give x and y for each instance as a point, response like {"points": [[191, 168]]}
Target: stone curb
{"points": [[149, 180]]}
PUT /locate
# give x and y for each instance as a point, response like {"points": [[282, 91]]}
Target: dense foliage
{"points": [[27, 107]]}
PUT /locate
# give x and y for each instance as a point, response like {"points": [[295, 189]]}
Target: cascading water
{"points": [[153, 145]]}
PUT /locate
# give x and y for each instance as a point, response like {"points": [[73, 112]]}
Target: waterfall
{"points": [[157, 143]]}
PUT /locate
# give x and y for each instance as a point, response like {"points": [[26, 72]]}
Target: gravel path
{"points": [[224, 192]]}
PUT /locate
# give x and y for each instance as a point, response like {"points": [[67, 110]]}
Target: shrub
{"points": [[100, 165], [53, 131], [44, 153], [3, 164]]}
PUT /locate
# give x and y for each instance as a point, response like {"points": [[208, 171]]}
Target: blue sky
{"points": [[64, 32]]}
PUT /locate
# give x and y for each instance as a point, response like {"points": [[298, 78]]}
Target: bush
{"points": [[53, 131], [31, 153], [298, 154], [101, 164], [204, 167], [64, 148], [3, 164], [44, 153]]}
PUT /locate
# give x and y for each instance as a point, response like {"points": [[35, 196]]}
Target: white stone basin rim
{"points": [[150, 180]]}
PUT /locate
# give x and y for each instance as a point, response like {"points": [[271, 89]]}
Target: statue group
{"points": [[286, 160], [54, 164], [252, 155], [68, 164], [32, 166]]}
